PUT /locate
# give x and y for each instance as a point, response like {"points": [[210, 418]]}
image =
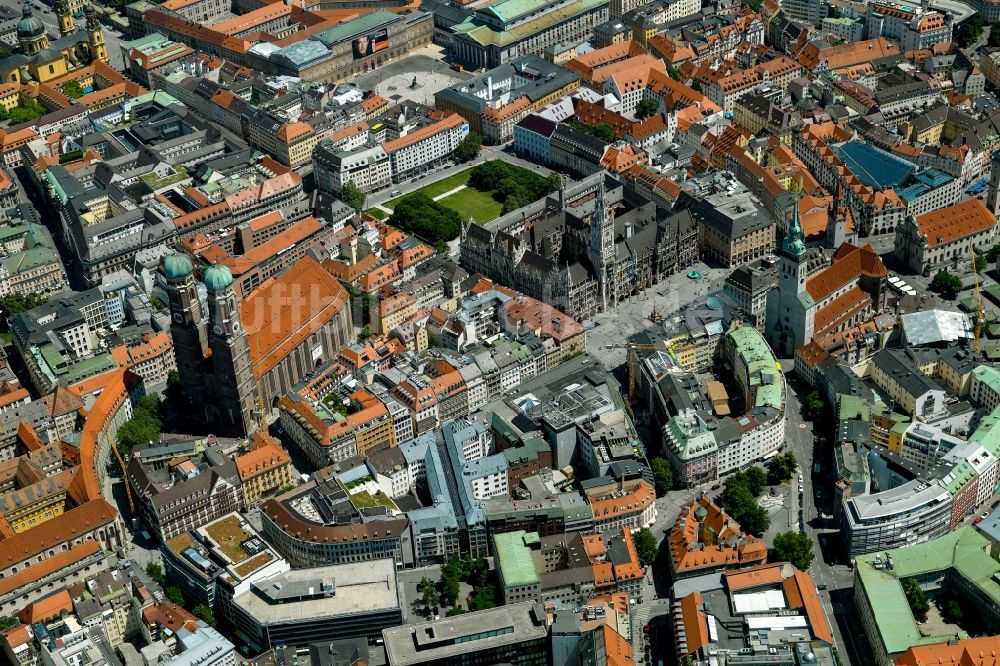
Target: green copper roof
{"points": [[989, 376], [508, 10], [29, 26], [177, 266], [355, 27], [960, 477], [512, 551], [476, 29], [961, 556], [217, 278], [794, 244]]}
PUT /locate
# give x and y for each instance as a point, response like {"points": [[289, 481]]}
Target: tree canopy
{"points": [[175, 595], [794, 547], [511, 185], [72, 89], [970, 30], [646, 108], [429, 593], [814, 405], [663, 475], [645, 546], [204, 613], [739, 500], [468, 148], [155, 573], [946, 284], [782, 468], [29, 109], [916, 598], [352, 195], [16, 303], [418, 214], [144, 426], [474, 572]]}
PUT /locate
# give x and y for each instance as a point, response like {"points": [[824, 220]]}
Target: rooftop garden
{"points": [[257, 561], [365, 500], [155, 182], [228, 534]]}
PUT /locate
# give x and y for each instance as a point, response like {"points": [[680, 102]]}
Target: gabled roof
{"points": [[309, 298], [849, 263], [951, 223]]}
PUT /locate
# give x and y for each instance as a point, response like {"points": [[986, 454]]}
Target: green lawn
{"points": [[479, 205], [437, 188], [377, 213]]}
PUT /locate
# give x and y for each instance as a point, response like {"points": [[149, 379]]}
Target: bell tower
{"points": [[95, 36], [187, 325], [601, 250], [66, 25], [790, 309], [233, 382], [993, 196]]}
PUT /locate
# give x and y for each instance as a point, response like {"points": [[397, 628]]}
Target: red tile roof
{"points": [[286, 309], [945, 225], [849, 262]]}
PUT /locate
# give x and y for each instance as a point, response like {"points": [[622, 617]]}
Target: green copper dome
{"points": [[177, 266], [217, 278], [29, 26]]}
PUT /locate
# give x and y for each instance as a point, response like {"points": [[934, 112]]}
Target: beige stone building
{"points": [[733, 228]]}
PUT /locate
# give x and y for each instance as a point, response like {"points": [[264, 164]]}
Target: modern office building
{"points": [[219, 561], [516, 634], [336, 601]]}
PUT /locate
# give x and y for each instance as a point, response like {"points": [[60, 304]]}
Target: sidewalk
{"points": [[388, 211]]}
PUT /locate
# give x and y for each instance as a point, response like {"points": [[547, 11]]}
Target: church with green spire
{"points": [[818, 297], [790, 308]]}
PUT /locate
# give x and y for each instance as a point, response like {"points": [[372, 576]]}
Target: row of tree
{"points": [[971, 30]]}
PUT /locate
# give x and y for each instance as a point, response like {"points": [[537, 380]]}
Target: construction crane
{"points": [[631, 346], [980, 316]]}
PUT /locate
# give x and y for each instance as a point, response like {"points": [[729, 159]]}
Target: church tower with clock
{"points": [[213, 353], [233, 383], [188, 327]]}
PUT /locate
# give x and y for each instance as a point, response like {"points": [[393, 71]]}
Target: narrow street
{"points": [[835, 579]]}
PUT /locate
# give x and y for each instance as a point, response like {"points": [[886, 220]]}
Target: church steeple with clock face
{"points": [[234, 386], [188, 326]]}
